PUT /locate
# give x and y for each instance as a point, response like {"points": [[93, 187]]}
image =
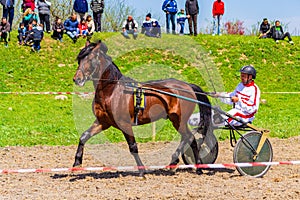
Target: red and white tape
{"points": [[131, 168], [88, 93], [55, 93]]}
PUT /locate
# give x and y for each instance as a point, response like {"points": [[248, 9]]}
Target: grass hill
{"points": [[41, 120]]}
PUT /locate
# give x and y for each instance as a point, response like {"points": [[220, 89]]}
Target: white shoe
{"points": [[213, 34], [277, 41], [220, 34], [291, 42]]}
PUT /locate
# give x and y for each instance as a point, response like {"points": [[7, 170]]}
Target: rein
{"points": [[128, 84], [195, 101]]}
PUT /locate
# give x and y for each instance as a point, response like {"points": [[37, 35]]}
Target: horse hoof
{"points": [[77, 163], [199, 171], [142, 176]]}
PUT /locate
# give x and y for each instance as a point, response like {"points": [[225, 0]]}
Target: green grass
{"points": [[41, 120]]}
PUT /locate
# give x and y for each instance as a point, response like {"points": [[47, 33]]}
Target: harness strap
{"points": [[139, 102]]}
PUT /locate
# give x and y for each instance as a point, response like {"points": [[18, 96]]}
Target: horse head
{"points": [[92, 61]]}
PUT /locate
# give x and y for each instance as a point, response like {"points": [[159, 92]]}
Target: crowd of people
{"points": [[276, 31], [34, 24]]}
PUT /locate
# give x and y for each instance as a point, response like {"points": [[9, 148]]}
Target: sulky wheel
{"points": [[243, 153], [208, 149]]}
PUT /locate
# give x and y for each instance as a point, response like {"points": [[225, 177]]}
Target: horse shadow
{"points": [[118, 174]]}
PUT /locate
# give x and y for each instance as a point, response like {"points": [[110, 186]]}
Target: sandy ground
{"points": [[280, 182]]}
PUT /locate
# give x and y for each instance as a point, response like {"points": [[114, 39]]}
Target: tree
{"points": [[235, 28], [115, 12]]}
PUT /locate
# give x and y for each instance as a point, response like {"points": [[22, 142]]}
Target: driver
{"points": [[245, 100]]}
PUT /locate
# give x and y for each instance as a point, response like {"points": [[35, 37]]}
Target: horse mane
{"points": [[89, 48]]}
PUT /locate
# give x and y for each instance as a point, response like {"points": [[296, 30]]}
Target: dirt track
{"points": [[281, 182]]}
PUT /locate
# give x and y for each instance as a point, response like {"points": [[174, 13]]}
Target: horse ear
{"points": [[103, 47], [87, 43]]}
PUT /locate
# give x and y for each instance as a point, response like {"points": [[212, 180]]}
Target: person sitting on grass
{"points": [[37, 35], [91, 26], [278, 34], [21, 33], [4, 30], [58, 29], [245, 99], [82, 28], [29, 35], [151, 27], [71, 27], [130, 26], [265, 29]]}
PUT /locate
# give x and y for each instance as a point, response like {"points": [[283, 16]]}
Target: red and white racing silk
{"points": [[247, 105]]}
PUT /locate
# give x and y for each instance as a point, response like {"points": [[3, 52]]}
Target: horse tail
{"points": [[204, 107]]}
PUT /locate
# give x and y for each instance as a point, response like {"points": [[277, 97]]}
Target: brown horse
{"points": [[113, 104]]}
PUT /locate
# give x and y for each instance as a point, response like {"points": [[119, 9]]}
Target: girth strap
{"points": [[139, 102]]}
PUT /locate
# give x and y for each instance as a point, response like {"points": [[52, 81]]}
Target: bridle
{"points": [[95, 67]]}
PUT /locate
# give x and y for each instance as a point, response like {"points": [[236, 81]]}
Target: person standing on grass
{"points": [[44, 14], [81, 8], [170, 8], [28, 4], [8, 11], [192, 11], [97, 6], [181, 17], [28, 17], [245, 99], [278, 34], [218, 12], [4, 30]]}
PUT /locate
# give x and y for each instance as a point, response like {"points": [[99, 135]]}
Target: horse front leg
{"points": [[93, 130], [133, 148]]}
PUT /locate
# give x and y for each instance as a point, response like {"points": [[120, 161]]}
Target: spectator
{"points": [[29, 35], [97, 7], [37, 35], [278, 34], [44, 13], [264, 29], [130, 26], [71, 27], [170, 8], [28, 17], [192, 10], [28, 4], [81, 8], [21, 33], [58, 29], [82, 28], [8, 11], [4, 30], [218, 12], [151, 27], [181, 17], [91, 26]]}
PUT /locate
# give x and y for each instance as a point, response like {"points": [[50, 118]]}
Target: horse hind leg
{"points": [[185, 139]]}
